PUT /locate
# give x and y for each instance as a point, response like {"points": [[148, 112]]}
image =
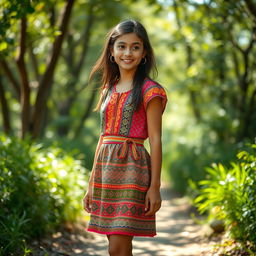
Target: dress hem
{"points": [[117, 233]]}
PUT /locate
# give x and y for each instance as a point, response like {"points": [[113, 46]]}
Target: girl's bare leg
{"points": [[120, 245]]}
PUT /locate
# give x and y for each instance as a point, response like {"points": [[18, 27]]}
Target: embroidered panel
{"points": [[127, 115]]}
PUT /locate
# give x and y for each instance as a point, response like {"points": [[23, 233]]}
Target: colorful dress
{"points": [[123, 167]]}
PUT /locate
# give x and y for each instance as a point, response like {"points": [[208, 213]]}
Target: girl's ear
{"points": [[111, 51], [144, 53]]}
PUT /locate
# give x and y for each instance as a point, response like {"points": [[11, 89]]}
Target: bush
{"points": [[229, 194], [40, 188], [188, 161]]}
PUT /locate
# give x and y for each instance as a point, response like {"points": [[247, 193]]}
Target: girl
{"points": [[124, 188]]}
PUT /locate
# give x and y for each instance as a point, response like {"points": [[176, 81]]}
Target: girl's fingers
{"points": [[150, 209], [147, 204], [90, 203], [87, 204], [154, 207]]}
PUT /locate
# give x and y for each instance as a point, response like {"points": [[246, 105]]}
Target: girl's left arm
{"points": [[154, 121]]}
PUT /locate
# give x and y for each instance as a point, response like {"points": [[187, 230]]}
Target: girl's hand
{"points": [[87, 200], [153, 201]]}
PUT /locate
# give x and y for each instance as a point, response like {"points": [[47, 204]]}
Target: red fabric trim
{"points": [[117, 233]]}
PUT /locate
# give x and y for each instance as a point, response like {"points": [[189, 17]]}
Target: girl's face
{"points": [[128, 50]]}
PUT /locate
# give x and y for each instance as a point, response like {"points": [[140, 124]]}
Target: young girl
{"points": [[124, 188]]}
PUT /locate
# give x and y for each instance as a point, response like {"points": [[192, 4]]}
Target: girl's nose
{"points": [[128, 51]]}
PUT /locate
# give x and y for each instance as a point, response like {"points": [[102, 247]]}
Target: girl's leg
{"points": [[120, 245]]}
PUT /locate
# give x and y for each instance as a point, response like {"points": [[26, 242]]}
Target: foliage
{"points": [[34, 37], [209, 71], [189, 162], [40, 188], [229, 194], [205, 54]]}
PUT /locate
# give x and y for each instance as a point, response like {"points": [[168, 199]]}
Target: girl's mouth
{"points": [[127, 61]]}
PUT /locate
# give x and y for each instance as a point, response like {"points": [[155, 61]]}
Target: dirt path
{"points": [[177, 235]]}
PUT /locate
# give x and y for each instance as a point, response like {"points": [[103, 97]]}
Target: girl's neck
{"points": [[124, 83], [126, 77]]}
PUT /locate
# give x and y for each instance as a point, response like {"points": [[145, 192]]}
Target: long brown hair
{"points": [[109, 71]]}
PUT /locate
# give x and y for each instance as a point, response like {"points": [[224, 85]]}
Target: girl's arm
{"points": [[154, 122], [88, 196]]}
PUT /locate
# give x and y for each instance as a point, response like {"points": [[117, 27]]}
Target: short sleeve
{"points": [[154, 90]]}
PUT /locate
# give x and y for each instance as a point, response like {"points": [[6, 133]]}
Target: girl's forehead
{"points": [[129, 38]]}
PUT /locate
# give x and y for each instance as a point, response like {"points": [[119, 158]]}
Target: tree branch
{"points": [[252, 41], [34, 63], [236, 65], [86, 114], [12, 79], [251, 7], [86, 38], [75, 68]]}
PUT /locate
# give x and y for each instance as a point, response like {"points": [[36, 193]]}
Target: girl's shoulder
{"points": [[150, 84], [152, 89]]}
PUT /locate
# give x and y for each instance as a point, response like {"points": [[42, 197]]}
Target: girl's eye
{"points": [[136, 48], [120, 46]]}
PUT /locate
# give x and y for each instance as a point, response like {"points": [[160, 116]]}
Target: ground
{"points": [[177, 235]]}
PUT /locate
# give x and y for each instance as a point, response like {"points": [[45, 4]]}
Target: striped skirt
{"points": [[121, 180]]}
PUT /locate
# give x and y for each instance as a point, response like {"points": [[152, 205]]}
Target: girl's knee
{"points": [[118, 246], [120, 250], [114, 250]]}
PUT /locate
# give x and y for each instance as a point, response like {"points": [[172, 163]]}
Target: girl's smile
{"points": [[128, 51]]}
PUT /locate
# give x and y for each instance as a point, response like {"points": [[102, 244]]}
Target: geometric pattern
{"points": [[120, 184], [118, 116], [119, 190]]}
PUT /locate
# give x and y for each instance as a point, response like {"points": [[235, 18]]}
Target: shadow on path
{"points": [[177, 234]]}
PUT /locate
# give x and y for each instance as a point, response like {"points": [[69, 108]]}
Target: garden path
{"points": [[178, 235]]}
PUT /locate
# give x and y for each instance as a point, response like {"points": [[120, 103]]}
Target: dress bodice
{"points": [[118, 115]]}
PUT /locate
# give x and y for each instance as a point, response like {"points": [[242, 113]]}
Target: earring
{"points": [[144, 61], [112, 59]]}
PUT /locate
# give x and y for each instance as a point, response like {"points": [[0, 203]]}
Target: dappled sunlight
{"points": [[205, 56], [177, 234]]}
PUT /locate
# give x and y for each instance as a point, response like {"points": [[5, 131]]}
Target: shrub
{"points": [[40, 188], [187, 162], [229, 194]]}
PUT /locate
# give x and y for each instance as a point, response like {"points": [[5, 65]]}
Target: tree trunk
{"points": [[75, 70], [248, 117], [192, 94], [25, 89], [13, 82], [45, 86], [5, 109], [251, 7], [87, 112], [245, 102]]}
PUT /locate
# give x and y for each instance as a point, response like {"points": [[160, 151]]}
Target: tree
{"points": [[46, 41], [219, 40], [32, 122]]}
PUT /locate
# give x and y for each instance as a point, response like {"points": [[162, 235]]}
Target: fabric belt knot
{"points": [[125, 141], [122, 152]]}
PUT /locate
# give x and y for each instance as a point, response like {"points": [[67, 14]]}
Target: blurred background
{"points": [[205, 51]]}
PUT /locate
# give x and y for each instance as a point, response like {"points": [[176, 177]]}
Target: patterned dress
{"points": [[123, 167]]}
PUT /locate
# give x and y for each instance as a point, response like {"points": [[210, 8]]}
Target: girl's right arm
{"points": [[88, 196]]}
